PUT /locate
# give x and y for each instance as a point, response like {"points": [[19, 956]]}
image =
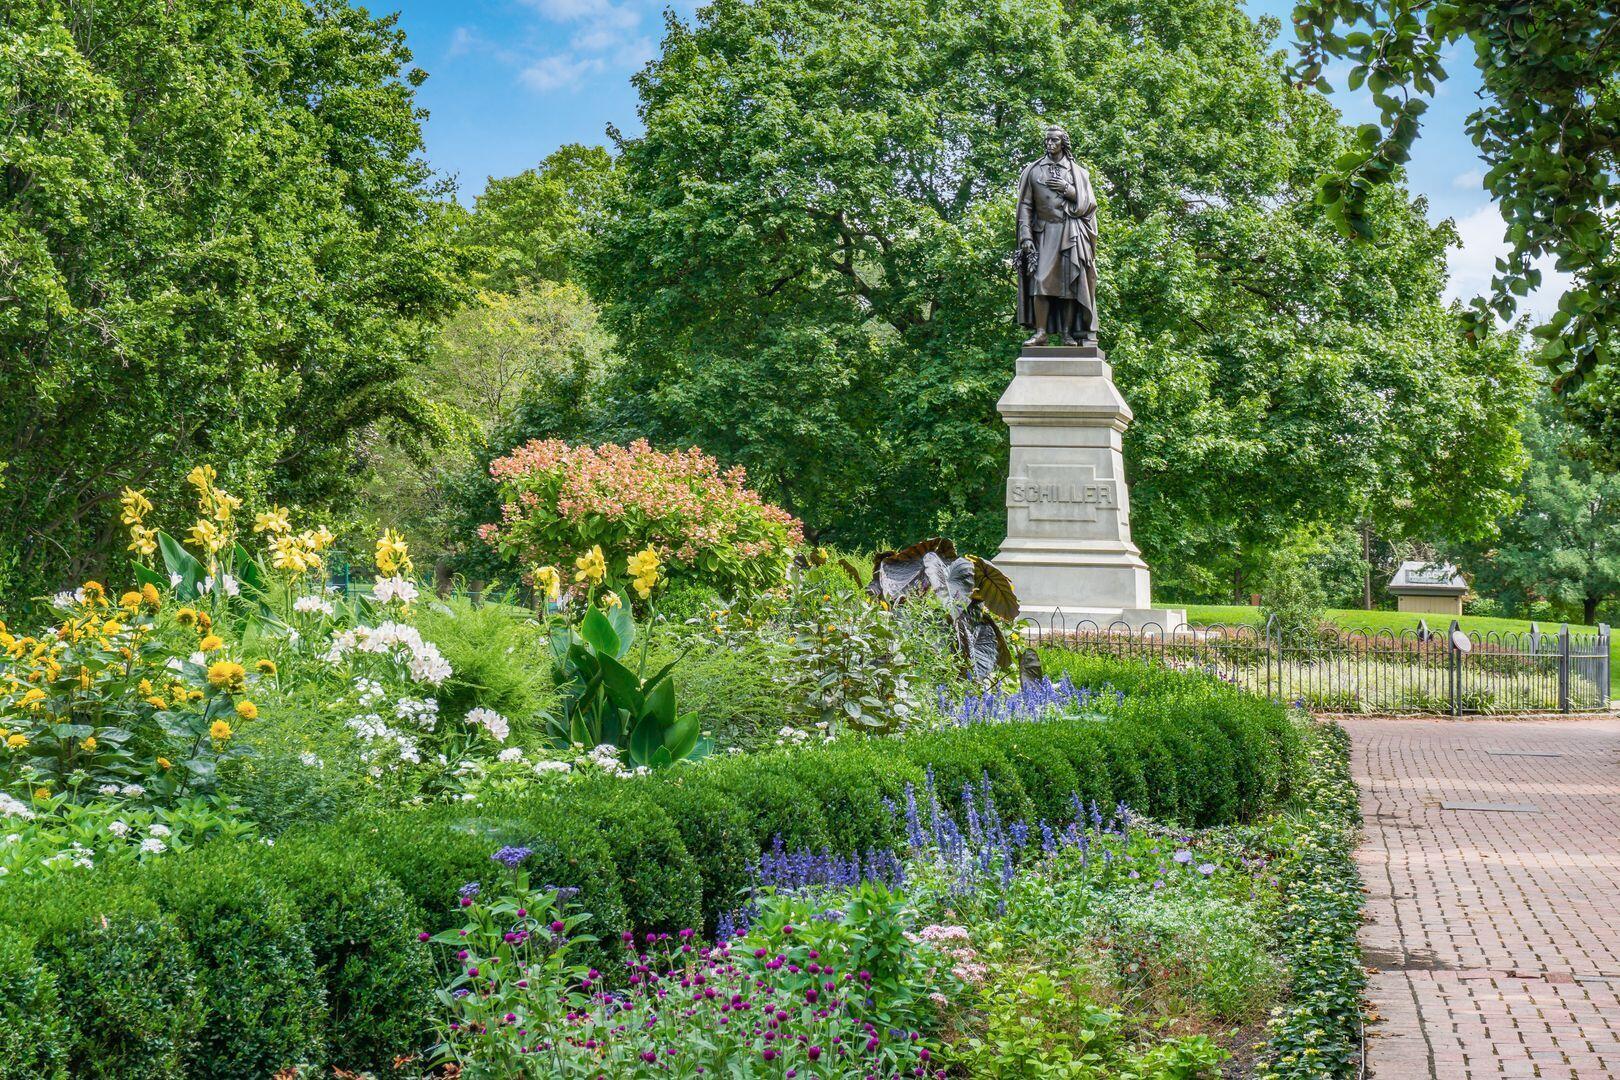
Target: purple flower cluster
{"points": [[512, 857], [793, 871], [1033, 701]]}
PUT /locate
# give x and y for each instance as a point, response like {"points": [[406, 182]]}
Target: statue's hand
{"points": [[1058, 183], [1027, 246]]}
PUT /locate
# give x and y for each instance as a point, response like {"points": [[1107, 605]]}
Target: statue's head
{"points": [[1057, 141]]}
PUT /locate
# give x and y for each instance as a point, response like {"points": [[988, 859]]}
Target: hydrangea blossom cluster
{"points": [[703, 520]]}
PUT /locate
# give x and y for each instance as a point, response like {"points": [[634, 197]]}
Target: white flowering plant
{"points": [[57, 835]]}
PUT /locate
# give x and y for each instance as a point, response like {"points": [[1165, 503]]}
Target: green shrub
{"points": [[263, 1001], [1081, 744], [31, 1023], [1126, 780], [1163, 752], [718, 836], [962, 758], [498, 656], [1046, 774], [778, 805], [362, 931], [432, 852], [658, 877], [125, 975], [736, 692], [851, 783]]}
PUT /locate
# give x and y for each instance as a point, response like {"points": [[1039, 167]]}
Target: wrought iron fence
{"points": [[1347, 670]]}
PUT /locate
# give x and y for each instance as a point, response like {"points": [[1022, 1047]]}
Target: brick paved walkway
{"points": [[1494, 936]]}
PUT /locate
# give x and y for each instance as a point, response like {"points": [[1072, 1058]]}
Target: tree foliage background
{"points": [[1561, 545], [218, 242], [1548, 130], [806, 261]]}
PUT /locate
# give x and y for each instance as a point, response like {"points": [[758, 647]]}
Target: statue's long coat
{"points": [[1065, 262]]}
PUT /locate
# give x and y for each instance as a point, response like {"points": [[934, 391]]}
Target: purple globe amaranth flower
{"points": [[512, 857]]}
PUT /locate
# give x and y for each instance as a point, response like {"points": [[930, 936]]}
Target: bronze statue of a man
{"points": [[1057, 247]]}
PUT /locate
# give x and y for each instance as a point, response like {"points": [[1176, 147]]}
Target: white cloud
{"points": [[1470, 180], [1472, 265], [601, 35], [562, 71]]}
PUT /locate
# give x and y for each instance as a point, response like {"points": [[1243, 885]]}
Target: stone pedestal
{"points": [[1068, 549]]}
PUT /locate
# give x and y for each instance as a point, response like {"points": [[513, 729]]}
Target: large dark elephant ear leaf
{"points": [[994, 590], [894, 573], [952, 581], [985, 646]]}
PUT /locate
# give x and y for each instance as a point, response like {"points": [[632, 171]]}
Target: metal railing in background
{"points": [[1348, 670]]}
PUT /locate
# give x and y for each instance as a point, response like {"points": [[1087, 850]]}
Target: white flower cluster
{"points": [[541, 768], [10, 807], [227, 585], [606, 758], [309, 761], [389, 589], [78, 855], [307, 604], [423, 712], [67, 598], [511, 753], [789, 735], [396, 639], [491, 721], [129, 791], [370, 690], [374, 729]]}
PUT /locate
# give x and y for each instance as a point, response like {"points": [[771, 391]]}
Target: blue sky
{"points": [[511, 80]]}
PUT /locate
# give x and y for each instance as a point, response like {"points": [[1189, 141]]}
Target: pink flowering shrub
{"points": [[707, 526]]}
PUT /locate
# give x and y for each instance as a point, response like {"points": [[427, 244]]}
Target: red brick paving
{"points": [[1494, 937]]}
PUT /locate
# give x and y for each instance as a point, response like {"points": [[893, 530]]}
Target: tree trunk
{"points": [[1237, 585], [1589, 609], [1366, 575]]}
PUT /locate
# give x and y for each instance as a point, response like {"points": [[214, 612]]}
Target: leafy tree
{"points": [[807, 258], [217, 242], [533, 363], [532, 227], [1563, 543], [1548, 128]]}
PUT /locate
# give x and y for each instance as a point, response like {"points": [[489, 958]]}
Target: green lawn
{"points": [[1357, 619], [1396, 621]]}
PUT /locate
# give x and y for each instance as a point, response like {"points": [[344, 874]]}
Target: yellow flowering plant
{"points": [[93, 705]]}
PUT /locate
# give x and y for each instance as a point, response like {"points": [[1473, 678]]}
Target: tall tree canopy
{"points": [[1549, 130], [1563, 542], [532, 227], [807, 260], [217, 242]]}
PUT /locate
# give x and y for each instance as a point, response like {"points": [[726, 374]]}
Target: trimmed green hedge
{"points": [[239, 960]]}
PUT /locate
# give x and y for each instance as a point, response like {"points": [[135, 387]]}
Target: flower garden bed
{"points": [[255, 829]]}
